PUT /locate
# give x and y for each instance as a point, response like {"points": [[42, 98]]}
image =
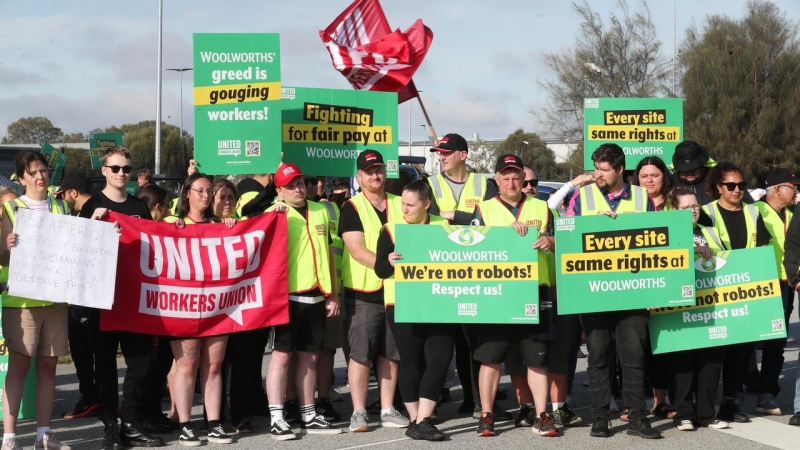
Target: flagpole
{"points": [[428, 119]]}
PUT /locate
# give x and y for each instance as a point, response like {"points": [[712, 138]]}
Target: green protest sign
{"points": [[736, 301], [633, 261], [98, 143], [324, 130], [456, 274], [641, 126], [237, 93], [56, 161]]}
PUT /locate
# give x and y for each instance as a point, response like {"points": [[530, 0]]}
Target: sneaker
{"points": [[318, 425], [544, 425], [291, 411], [718, 425], [49, 442], [188, 439], [326, 410], [525, 417], [217, 435], [411, 431], [111, 437], [243, 427], [281, 431], [766, 405], [358, 422], [427, 431], [565, 417], [643, 430], [11, 444], [795, 419], [393, 419], [486, 425], [729, 412], [600, 428], [82, 409], [685, 425]]}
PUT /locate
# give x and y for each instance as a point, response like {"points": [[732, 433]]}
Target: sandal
{"points": [[623, 415], [664, 411]]}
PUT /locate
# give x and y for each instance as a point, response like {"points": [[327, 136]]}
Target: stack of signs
{"points": [[99, 142], [237, 93]]}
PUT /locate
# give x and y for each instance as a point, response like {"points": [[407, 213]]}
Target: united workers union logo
{"points": [[466, 237], [709, 265]]}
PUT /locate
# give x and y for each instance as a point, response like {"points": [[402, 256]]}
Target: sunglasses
{"points": [[125, 169], [531, 183], [731, 186]]}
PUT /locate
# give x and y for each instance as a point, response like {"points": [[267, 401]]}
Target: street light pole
{"points": [[158, 91], [183, 146]]}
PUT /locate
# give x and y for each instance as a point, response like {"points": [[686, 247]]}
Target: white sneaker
{"points": [[719, 425], [11, 444], [685, 425]]}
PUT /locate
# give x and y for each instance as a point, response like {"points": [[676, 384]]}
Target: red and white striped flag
{"points": [[373, 57]]}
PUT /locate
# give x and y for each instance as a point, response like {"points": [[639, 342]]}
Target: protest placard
{"points": [[456, 274], [736, 301], [201, 280], [56, 161], [641, 126], [324, 130], [98, 143], [632, 261], [237, 110], [64, 259]]}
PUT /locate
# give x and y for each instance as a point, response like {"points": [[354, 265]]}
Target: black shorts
{"points": [[305, 331], [496, 342]]}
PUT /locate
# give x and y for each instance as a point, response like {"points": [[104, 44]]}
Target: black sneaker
{"points": [[486, 425], [411, 431], [566, 418], [326, 410], [188, 439], [599, 428], [217, 435], [544, 425], [81, 409], [643, 430], [318, 425], [244, 426], [525, 417], [291, 412], [729, 412], [427, 431], [111, 439], [280, 431], [795, 419]]}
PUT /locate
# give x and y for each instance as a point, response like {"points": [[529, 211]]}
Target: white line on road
{"points": [[767, 432]]}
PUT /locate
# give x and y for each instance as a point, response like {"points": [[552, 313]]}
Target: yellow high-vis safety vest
{"points": [[750, 218], [473, 192], [593, 201], [356, 276], [777, 228], [338, 243]]}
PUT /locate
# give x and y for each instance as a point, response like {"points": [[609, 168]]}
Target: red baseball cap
{"points": [[286, 173]]}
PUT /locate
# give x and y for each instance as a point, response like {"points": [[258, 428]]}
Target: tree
{"points": [[32, 130], [621, 60], [482, 156], [742, 85], [532, 150]]}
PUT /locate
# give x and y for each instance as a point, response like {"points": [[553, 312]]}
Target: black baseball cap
{"points": [[508, 162], [369, 158], [781, 176], [688, 156], [74, 180], [451, 142]]}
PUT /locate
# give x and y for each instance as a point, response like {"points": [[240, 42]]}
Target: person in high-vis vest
{"points": [[313, 296], [611, 195], [738, 225], [781, 187], [425, 348], [31, 328], [255, 194], [369, 335], [512, 208], [791, 265], [456, 192]]}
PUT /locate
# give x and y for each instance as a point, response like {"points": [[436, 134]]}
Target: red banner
{"points": [[370, 55], [202, 280]]}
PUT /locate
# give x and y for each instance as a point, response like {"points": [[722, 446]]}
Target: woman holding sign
{"points": [[31, 328], [191, 353], [425, 348]]}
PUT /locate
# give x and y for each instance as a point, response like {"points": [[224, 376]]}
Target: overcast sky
{"points": [[92, 63]]}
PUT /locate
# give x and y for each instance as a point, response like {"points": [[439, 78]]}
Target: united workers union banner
{"points": [[324, 130], [641, 126], [634, 261], [736, 301], [237, 110], [455, 274], [99, 142], [202, 280]]}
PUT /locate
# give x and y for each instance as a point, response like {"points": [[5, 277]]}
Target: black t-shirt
{"points": [[132, 206], [350, 221], [736, 225]]}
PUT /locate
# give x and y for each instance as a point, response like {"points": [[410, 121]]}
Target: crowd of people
{"points": [[342, 296]]}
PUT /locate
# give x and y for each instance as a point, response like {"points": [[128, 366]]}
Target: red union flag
{"points": [[202, 280], [373, 57]]}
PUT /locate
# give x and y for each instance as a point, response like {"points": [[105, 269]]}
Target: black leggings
{"points": [[425, 353]]}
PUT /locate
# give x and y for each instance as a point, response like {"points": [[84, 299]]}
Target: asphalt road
{"points": [[762, 433]]}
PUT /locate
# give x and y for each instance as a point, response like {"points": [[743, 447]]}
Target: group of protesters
{"points": [[342, 296]]}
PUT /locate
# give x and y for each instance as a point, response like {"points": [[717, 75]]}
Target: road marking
{"points": [[767, 432]]}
